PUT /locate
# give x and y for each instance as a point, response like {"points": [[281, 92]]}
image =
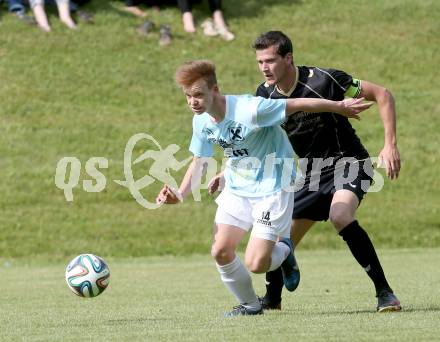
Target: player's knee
{"points": [[340, 218], [257, 264], [222, 254]]}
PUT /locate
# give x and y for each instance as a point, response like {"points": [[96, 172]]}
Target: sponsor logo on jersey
{"points": [[235, 133]]}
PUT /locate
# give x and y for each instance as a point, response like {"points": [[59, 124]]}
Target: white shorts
{"points": [[269, 216]]}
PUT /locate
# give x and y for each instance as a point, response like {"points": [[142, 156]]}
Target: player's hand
{"points": [[389, 158], [169, 195], [216, 183], [352, 107]]}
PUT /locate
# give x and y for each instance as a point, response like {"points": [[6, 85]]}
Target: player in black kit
{"points": [[329, 150]]}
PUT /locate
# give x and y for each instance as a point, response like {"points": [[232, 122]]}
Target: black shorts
{"points": [[312, 202]]}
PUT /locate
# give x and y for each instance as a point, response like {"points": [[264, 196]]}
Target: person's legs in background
{"points": [[185, 7], [37, 7], [64, 13], [219, 20]]}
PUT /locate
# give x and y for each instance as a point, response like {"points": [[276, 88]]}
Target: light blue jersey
{"points": [[256, 146]]}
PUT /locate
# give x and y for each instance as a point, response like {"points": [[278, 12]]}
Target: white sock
{"points": [[237, 279], [279, 254]]}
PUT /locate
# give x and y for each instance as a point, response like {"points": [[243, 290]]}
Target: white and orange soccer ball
{"points": [[87, 275]]}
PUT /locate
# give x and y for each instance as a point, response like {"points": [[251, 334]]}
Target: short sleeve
{"points": [[351, 87], [270, 112], [341, 79], [200, 146]]}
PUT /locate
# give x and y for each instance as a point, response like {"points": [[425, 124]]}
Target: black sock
{"points": [[274, 286], [363, 251]]}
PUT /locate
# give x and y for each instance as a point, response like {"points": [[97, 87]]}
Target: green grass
{"points": [[85, 93], [183, 299]]}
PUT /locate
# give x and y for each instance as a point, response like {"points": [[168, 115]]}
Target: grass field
{"points": [[183, 299], [86, 93]]}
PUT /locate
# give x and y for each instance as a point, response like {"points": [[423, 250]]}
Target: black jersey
{"points": [[319, 135]]}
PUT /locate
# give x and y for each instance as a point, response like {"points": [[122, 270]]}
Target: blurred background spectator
{"points": [[216, 26], [18, 8], [41, 17]]}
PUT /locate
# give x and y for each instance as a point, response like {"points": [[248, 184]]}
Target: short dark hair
{"points": [[272, 38]]}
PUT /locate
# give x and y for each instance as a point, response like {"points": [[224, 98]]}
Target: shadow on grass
{"points": [[409, 309], [424, 309], [137, 320], [123, 321], [404, 310]]}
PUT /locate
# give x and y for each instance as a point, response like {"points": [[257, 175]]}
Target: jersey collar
{"points": [[291, 90]]}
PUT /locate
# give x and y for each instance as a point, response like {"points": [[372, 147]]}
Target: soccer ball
{"points": [[87, 275]]}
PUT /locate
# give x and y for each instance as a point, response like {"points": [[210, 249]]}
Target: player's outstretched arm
{"points": [[389, 155], [349, 108], [192, 177]]}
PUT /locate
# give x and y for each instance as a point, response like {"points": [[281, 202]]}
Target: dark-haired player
{"points": [[330, 148]]}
